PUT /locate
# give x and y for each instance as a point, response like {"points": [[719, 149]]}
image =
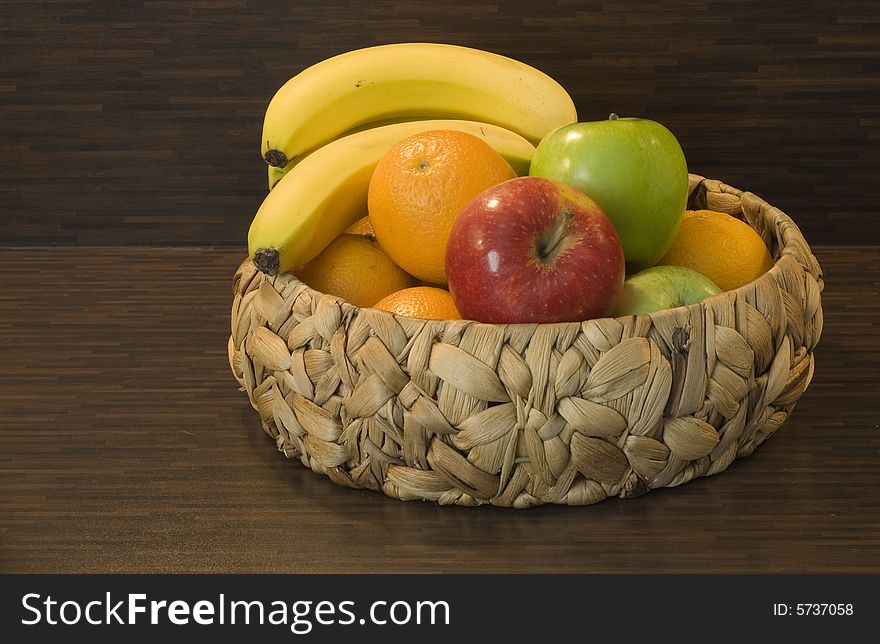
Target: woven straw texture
{"points": [[459, 412]]}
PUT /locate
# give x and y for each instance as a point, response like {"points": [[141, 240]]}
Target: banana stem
{"points": [[267, 261], [276, 158]]}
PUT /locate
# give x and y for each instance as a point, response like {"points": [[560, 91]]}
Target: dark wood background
{"points": [[138, 123], [125, 445]]}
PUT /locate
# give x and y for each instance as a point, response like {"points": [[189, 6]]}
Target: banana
{"points": [[319, 197], [276, 173], [426, 80]]}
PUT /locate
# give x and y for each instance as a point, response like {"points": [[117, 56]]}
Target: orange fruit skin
{"points": [[356, 269], [423, 302], [723, 248], [419, 187], [362, 227]]}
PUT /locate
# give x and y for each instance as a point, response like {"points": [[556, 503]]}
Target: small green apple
{"points": [[663, 287], [633, 168]]}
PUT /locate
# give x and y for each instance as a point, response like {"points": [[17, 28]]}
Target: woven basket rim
{"points": [[695, 181]]}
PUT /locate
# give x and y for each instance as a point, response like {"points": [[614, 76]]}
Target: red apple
{"points": [[534, 250]]}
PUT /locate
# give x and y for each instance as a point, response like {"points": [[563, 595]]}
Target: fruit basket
{"points": [[460, 412]]}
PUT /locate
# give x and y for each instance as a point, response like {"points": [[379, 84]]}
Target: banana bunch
{"points": [[327, 127], [326, 192]]}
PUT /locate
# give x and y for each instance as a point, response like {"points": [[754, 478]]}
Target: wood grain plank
{"points": [[125, 446], [116, 114]]}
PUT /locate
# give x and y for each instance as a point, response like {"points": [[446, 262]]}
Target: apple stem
{"points": [[548, 247]]}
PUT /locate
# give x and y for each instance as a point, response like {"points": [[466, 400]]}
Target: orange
{"points": [[419, 187], [354, 268], [362, 227], [424, 302], [723, 248]]}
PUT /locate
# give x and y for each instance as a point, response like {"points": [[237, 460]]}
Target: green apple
{"points": [[663, 287], [633, 168]]}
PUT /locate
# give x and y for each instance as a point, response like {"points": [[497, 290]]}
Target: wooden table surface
{"points": [[126, 446]]}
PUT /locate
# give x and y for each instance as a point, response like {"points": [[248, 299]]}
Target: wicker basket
{"points": [[466, 413]]}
